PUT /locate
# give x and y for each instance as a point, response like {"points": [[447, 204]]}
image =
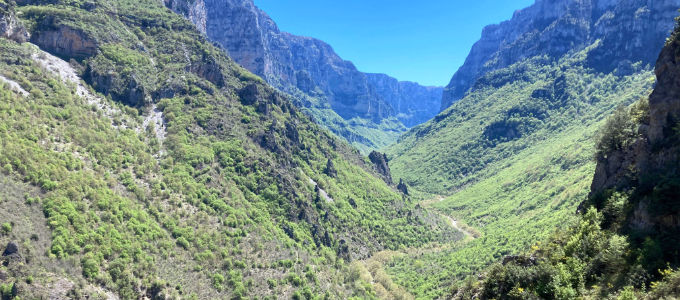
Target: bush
{"points": [[218, 281], [6, 228], [90, 267], [617, 133]]}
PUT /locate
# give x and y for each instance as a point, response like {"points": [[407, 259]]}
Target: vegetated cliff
{"points": [[625, 245], [650, 145], [309, 70], [138, 160], [624, 29]]}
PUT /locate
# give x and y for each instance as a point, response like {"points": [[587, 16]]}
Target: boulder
{"points": [[12, 248]]}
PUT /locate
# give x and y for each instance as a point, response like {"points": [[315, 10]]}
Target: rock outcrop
{"points": [[287, 61], [379, 161], [648, 164], [11, 249], [620, 32], [402, 187], [10, 27], [656, 148], [64, 41]]}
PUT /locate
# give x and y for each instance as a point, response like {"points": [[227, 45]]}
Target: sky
{"points": [[423, 41]]}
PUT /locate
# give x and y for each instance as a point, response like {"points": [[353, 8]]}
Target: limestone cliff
{"points": [[308, 68], [623, 32], [253, 40]]}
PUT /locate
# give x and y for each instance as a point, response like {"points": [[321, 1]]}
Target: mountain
{"points": [[625, 244], [137, 160], [624, 30], [513, 158], [335, 93]]}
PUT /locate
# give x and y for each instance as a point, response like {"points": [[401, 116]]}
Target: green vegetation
{"points": [[6, 228], [609, 252], [624, 243], [215, 202], [171, 172], [621, 128], [516, 154], [509, 111]]}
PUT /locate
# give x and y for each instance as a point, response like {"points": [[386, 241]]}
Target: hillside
{"points": [[625, 244], [138, 160], [514, 156], [369, 114]]}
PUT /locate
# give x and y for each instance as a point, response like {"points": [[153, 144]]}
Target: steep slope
{"points": [[626, 243], [335, 93], [139, 161], [515, 154], [625, 30]]}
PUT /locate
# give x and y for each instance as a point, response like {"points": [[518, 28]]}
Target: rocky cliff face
{"points": [[253, 40], [294, 63], [10, 27], [622, 32], [415, 104], [648, 164]]}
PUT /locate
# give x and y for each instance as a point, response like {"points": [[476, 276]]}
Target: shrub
{"points": [[6, 228], [90, 267], [617, 133], [218, 281]]}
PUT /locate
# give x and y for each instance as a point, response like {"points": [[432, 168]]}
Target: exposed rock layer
{"points": [[294, 63], [10, 27], [628, 31]]}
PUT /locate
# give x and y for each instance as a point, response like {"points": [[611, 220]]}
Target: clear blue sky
{"points": [[423, 41]]}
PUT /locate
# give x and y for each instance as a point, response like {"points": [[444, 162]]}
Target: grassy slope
{"points": [[513, 190], [219, 208]]}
